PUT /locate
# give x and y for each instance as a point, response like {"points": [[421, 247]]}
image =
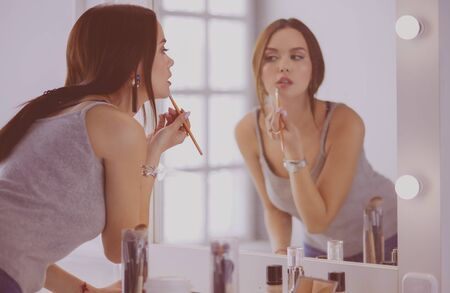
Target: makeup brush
{"points": [[375, 206], [185, 126], [277, 105]]}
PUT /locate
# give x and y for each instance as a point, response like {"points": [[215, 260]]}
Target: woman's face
{"points": [[161, 67], [286, 64]]}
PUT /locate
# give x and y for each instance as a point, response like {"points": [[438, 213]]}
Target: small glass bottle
{"points": [[294, 266], [274, 279], [335, 250]]}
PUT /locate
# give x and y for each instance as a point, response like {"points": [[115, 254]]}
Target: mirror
{"points": [[213, 195]]}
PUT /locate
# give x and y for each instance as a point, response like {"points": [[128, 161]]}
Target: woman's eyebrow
{"points": [[298, 49], [271, 49]]}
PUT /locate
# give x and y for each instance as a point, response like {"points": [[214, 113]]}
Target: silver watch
{"points": [[293, 166]]}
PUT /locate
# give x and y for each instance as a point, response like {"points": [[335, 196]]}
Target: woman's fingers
{"points": [[276, 123], [161, 122], [181, 119]]}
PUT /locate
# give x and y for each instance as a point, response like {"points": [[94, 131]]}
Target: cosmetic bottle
{"points": [[335, 250], [339, 277], [294, 266], [224, 269], [274, 279], [394, 256]]}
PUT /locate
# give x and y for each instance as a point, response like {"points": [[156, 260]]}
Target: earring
{"points": [[136, 83]]}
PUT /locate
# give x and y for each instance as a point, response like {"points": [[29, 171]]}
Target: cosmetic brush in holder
{"points": [[134, 259], [373, 237]]}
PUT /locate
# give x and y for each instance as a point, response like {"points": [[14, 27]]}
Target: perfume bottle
{"points": [[294, 266]]}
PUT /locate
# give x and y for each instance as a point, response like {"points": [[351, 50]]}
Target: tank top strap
{"points": [[90, 104], [326, 125], [258, 131]]}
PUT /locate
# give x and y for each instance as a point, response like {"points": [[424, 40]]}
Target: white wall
{"points": [[33, 37], [358, 42]]}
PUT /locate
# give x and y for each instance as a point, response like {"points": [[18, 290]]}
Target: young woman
{"points": [[74, 162], [306, 157]]}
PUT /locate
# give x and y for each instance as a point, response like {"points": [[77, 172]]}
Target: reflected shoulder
{"points": [[346, 122], [245, 132]]}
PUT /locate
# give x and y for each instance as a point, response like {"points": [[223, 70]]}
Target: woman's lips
{"points": [[284, 82]]}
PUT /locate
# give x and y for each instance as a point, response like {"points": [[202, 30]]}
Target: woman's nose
{"points": [[284, 66]]}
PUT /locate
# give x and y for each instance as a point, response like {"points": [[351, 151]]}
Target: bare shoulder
{"points": [[113, 132], [346, 124], [245, 133]]}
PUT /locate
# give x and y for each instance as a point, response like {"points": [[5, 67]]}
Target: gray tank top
{"points": [[51, 197], [348, 224]]}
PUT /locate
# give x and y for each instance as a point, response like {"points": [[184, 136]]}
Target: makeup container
{"points": [[134, 259], [339, 277], [274, 279], [335, 250], [224, 265], [315, 285], [294, 266], [373, 237]]}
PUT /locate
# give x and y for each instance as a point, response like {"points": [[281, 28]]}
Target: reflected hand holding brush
{"points": [[275, 100]]}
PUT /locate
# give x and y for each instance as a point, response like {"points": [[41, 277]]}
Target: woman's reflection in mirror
{"points": [[319, 174]]}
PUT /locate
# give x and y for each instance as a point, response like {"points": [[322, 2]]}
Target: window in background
{"points": [[207, 196]]}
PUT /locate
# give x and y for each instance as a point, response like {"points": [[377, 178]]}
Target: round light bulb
{"points": [[408, 27], [407, 187]]}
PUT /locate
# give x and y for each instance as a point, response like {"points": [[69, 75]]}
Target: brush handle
{"points": [[186, 127], [277, 105]]}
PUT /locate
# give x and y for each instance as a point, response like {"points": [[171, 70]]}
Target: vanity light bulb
{"points": [[407, 187], [408, 27]]}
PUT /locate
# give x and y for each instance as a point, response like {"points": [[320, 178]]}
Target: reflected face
{"points": [[286, 64], [161, 67]]}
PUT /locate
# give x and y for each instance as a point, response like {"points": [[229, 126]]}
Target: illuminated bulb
{"points": [[407, 187], [408, 27]]}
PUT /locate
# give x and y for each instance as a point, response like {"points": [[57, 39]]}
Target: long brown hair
{"points": [[104, 49], [318, 65]]}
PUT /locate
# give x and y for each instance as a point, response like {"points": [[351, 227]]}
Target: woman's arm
{"points": [[319, 202], [278, 223], [59, 281], [120, 140]]}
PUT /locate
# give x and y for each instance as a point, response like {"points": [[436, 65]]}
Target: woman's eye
{"points": [[297, 57], [270, 58]]}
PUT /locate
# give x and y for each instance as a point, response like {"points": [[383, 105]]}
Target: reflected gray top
{"points": [[51, 197], [348, 224]]}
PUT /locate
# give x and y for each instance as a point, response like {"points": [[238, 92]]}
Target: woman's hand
{"points": [[169, 131], [278, 124], [113, 288]]}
